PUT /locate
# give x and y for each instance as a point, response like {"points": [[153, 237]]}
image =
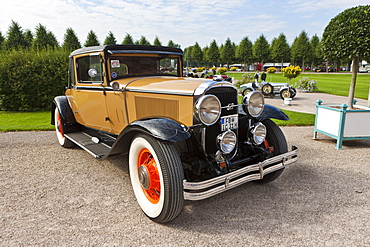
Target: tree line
{"points": [[17, 38], [304, 51]]}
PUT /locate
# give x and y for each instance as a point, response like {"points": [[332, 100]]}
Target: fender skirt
{"points": [[272, 112]]}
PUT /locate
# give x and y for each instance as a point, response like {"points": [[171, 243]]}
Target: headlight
{"points": [[227, 141], [259, 133], [253, 103], [208, 109]]}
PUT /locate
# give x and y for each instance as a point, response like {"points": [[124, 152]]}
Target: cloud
{"points": [[319, 5]]}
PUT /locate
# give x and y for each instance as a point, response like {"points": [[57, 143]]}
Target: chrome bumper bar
{"points": [[204, 189]]}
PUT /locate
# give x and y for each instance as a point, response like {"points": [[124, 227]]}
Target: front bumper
{"points": [[201, 190]]}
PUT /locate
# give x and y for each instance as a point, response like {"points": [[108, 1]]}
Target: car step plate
{"points": [[89, 143]]}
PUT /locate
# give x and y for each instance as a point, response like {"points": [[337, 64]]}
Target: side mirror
{"points": [[92, 73]]}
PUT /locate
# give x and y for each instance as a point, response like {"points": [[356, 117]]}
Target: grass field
{"points": [[24, 121], [331, 83]]}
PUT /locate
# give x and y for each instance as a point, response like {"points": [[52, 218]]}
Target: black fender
{"points": [[270, 111], [160, 128], [65, 110]]}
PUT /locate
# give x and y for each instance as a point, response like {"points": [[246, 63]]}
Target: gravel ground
{"points": [[51, 196]]}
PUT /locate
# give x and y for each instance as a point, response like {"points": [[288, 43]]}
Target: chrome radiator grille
{"points": [[227, 96]]}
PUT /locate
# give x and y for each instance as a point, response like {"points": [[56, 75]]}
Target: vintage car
{"points": [[220, 77], [186, 138], [270, 89]]}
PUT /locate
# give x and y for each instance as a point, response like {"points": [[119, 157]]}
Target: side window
{"points": [[89, 69]]}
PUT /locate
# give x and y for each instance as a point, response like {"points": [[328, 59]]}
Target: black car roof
{"points": [[128, 49]]}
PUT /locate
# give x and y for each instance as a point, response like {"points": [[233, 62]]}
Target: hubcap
{"points": [[144, 177], [149, 176]]}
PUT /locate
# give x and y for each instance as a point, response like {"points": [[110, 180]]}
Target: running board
{"points": [[94, 143]]}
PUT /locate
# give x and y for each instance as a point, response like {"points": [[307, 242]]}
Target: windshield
{"points": [[142, 65]]}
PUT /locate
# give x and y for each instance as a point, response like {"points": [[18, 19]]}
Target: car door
{"points": [[89, 92]]}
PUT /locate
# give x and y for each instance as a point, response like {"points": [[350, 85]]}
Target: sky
{"points": [[182, 21]]}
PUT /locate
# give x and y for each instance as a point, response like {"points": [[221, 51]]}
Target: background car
{"points": [[284, 90]]}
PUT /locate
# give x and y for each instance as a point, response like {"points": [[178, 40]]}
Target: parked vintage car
{"points": [[220, 77], [270, 89], [186, 138]]}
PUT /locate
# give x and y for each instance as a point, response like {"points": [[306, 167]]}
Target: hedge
{"points": [[29, 80]]}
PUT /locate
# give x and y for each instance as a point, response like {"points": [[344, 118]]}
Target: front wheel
{"points": [[246, 91], [276, 142], [157, 178], [286, 94], [267, 89]]}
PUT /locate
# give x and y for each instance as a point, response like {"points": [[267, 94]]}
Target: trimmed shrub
{"points": [[305, 84], [246, 78], [221, 71], [29, 80]]}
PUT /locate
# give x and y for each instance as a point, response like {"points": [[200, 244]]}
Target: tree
{"points": [[188, 55], [261, 49], [228, 52], [15, 37], [301, 48], [53, 42], [71, 41], [128, 40], [173, 44], [110, 39], [205, 50], [92, 39], [213, 53], [28, 37], [143, 41], [2, 39], [347, 36], [244, 51], [43, 39], [157, 42], [316, 54], [197, 53], [280, 50]]}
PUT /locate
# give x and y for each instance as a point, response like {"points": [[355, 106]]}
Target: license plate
{"points": [[229, 122]]}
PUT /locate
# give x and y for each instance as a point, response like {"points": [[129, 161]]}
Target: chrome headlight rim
{"points": [[253, 103], [227, 141], [203, 112], [259, 133]]}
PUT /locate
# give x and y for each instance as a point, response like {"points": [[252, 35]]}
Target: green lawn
{"points": [[337, 84], [24, 121], [296, 119]]}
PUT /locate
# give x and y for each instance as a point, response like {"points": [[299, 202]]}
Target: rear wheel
{"points": [[59, 128], [157, 178], [276, 142], [267, 89]]}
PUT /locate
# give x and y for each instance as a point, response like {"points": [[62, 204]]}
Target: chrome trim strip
{"points": [[226, 182], [159, 92]]}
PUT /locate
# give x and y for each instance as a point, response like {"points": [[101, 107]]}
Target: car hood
{"points": [[166, 85]]}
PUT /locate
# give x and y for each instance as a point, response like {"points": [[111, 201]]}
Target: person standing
{"points": [[257, 76], [263, 76]]}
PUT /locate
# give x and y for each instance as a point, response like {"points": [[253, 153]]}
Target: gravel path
{"points": [[50, 196]]}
